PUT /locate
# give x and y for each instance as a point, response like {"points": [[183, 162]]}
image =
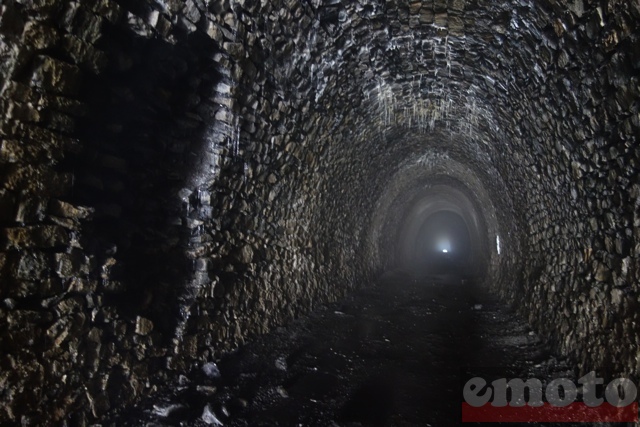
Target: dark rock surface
{"points": [[391, 355]]}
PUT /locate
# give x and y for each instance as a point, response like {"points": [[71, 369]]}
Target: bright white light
{"points": [[443, 245], [498, 244]]}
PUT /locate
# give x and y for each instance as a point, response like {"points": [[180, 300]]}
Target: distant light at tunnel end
{"points": [[445, 251]]}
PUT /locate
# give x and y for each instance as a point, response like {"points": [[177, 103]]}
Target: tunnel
{"points": [[182, 178], [443, 232], [443, 244]]}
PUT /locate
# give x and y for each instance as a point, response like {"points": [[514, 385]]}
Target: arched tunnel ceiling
{"points": [[179, 176], [435, 181]]}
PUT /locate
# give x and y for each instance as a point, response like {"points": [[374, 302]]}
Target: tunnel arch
{"points": [[307, 134], [442, 198], [457, 186]]}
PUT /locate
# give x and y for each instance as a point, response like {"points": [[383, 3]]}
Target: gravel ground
{"points": [[394, 354]]}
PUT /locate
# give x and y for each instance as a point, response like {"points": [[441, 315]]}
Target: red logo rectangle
{"points": [[576, 412]]}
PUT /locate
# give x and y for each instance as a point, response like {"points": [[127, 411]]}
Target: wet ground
{"points": [[395, 354]]}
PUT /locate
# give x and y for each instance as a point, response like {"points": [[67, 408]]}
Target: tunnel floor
{"points": [[390, 355]]}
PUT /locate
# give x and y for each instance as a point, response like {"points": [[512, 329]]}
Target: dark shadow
{"points": [[143, 132]]}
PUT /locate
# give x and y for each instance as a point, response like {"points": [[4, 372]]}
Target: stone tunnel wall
{"points": [[163, 196], [576, 112], [178, 176]]}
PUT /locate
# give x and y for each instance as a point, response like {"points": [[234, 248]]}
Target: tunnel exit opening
{"points": [[443, 245], [444, 229]]}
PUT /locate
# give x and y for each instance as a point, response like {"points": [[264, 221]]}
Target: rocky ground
{"points": [[394, 354]]}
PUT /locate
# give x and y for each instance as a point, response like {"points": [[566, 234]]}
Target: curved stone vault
{"points": [[179, 176]]}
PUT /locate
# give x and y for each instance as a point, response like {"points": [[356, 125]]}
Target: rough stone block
{"points": [[456, 26], [440, 5], [427, 16], [39, 36], [107, 9], [30, 210], [36, 181], [55, 76], [214, 31], [43, 139], [83, 53], [186, 25], [441, 19], [457, 5], [43, 236], [87, 26], [23, 112], [163, 26], [191, 11], [32, 266], [12, 151], [41, 288], [41, 7], [143, 326], [236, 50], [67, 210], [72, 265], [139, 26]]}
